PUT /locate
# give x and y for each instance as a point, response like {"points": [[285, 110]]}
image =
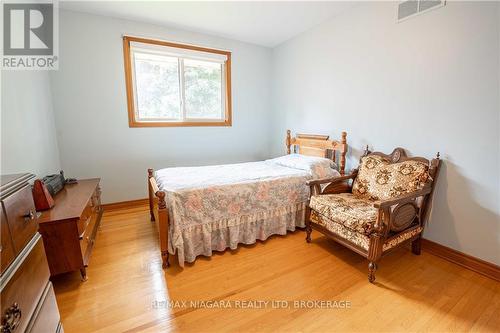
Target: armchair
{"points": [[377, 208]]}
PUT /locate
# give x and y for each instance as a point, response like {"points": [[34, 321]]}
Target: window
{"points": [[171, 84]]}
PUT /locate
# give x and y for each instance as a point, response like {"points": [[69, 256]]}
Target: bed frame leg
{"points": [[163, 228], [165, 259], [151, 195]]}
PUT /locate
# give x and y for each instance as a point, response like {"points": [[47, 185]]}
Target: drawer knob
{"points": [[30, 215], [11, 319]]}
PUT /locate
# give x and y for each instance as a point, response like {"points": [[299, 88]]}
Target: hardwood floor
{"points": [[127, 290]]}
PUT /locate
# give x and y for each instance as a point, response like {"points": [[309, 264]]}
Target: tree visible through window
{"points": [[176, 85]]}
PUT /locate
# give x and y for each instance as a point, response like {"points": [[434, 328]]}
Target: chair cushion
{"points": [[357, 214], [379, 179], [360, 240]]}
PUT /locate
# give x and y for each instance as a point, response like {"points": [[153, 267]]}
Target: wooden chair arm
{"points": [[403, 198], [332, 180]]}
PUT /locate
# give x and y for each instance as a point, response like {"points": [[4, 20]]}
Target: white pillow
{"points": [[318, 167]]}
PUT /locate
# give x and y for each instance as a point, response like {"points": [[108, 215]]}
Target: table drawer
{"points": [[96, 200], [22, 292], [88, 239], [21, 217], [84, 244], [84, 220]]}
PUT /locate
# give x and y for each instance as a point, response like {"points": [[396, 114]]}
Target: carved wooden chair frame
{"points": [[395, 216]]}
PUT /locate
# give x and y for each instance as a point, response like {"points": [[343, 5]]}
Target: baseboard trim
{"points": [[474, 264], [125, 204]]}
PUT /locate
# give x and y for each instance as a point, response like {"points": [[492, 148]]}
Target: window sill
{"points": [[180, 124]]}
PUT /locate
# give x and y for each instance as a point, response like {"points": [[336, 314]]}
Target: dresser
{"points": [[69, 229], [28, 302]]}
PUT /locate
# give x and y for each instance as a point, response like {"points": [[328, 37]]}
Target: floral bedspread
{"points": [[218, 207]]}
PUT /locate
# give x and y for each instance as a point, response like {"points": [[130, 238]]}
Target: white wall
{"points": [[428, 84], [28, 134], [91, 108]]}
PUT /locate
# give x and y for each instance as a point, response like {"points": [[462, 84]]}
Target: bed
{"points": [[199, 210]]}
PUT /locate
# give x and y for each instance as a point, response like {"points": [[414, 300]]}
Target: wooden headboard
{"points": [[319, 145]]}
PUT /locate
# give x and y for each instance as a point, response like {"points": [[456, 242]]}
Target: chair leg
{"points": [[308, 233], [416, 246], [374, 254], [372, 267]]}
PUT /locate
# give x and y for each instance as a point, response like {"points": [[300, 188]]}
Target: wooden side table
{"points": [[69, 229]]}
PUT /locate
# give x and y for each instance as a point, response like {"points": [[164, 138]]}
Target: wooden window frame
{"points": [[130, 85]]}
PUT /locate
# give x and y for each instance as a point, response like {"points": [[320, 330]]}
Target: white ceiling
{"points": [[266, 23]]}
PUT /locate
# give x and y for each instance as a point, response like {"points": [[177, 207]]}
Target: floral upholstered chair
{"points": [[382, 205]]}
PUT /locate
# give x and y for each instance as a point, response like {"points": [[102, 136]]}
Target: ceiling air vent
{"points": [[410, 8]]}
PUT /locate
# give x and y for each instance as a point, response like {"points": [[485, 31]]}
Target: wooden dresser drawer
{"points": [[84, 244], [20, 294], [6, 248], [88, 238], [84, 221], [46, 317], [21, 216]]}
